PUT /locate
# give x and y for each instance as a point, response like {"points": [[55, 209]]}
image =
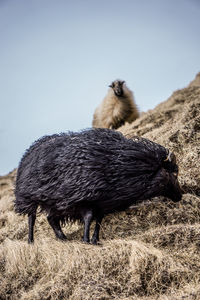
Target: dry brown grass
{"points": [[148, 252]]}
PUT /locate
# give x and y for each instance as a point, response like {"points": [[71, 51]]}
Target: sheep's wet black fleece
{"points": [[87, 175]]}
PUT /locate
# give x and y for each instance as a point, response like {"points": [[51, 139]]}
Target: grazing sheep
{"points": [[87, 175], [116, 108]]}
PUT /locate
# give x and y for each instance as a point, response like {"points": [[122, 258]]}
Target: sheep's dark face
{"points": [[117, 87], [172, 189]]}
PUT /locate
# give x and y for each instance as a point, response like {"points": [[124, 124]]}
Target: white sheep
{"points": [[117, 107]]}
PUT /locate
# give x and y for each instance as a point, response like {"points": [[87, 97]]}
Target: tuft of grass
{"points": [[56, 270]]}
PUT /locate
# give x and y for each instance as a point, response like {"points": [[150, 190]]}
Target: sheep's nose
{"points": [[177, 197], [118, 91], [178, 192]]}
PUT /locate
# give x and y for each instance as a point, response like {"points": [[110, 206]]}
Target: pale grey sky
{"points": [[57, 58]]}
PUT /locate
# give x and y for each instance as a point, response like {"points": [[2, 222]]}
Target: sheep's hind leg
{"points": [[31, 223], [95, 237], [55, 224]]}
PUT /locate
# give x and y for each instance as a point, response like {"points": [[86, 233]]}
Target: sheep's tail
{"points": [[22, 206]]}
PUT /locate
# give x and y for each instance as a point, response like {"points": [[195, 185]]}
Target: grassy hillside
{"points": [[151, 251]]}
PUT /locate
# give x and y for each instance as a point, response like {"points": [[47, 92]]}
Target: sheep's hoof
{"points": [[95, 242], [62, 238], [30, 242], [85, 242]]}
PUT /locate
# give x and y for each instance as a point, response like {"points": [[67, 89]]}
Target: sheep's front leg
{"points": [[95, 237]]}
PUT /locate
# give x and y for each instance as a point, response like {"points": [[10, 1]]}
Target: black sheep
{"points": [[87, 175]]}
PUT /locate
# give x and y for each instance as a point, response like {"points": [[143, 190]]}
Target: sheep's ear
{"points": [[123, 82], [110, 86]]}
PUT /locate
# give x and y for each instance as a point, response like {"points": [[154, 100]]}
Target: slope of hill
{"points": [[148, 252]]}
